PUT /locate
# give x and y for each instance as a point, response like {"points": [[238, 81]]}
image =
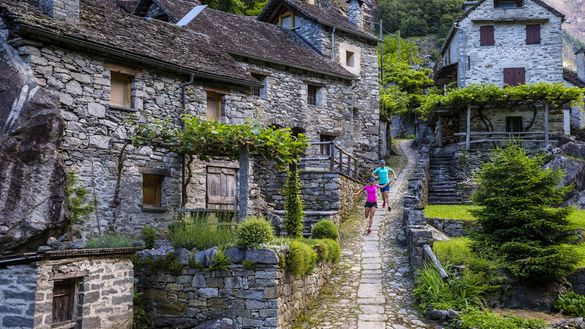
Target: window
{"points": [[262, 91], [350, 58], [120, 90], [312, 94], [513, 124], [64, 299], [152, 190], [533, 34], [287, 21], [486, 35], [326, 148], [214, 106], [507, 4], [514, 76]]}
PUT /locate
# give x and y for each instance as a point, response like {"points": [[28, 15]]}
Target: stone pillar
{"points": [[356, 13], [581, 64], [64, 10]]}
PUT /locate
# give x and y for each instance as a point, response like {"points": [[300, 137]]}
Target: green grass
{"points": [[459, 212], [201, 233], [454, 251], [580, 249], [577, 219]]}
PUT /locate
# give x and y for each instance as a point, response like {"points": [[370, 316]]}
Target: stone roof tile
{"points": [[572, 78]]}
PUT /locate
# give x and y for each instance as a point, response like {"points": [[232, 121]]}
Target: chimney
{"points": [[63, 10], [356, 13], [581, 64], [468, 4]]}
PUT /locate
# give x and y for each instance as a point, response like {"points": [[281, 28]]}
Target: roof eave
{"points": [[48, 34], [447, 41]]}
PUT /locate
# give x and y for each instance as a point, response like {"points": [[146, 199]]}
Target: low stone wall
{"points": [[452, 227], [103, 288], [262, 295], [347, 199]]}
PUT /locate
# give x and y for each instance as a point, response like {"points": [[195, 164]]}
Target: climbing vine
{"points": [[556, 95], [208, 139], [78, 203]]}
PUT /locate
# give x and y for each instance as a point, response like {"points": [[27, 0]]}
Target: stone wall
{"points": [[17, 296], [543, 62], [263, 295], [577, 279], [104, 292]]}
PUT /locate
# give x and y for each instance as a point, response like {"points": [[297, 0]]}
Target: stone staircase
{"points": [[443, 186]]}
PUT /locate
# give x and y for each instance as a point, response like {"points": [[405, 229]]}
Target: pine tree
{"points": [[518, 220]]}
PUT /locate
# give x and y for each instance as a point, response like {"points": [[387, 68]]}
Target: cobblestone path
{"points": [[372, 286]]}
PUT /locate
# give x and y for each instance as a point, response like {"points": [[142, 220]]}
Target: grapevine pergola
{"points": [[208, 139], [551, 96]]}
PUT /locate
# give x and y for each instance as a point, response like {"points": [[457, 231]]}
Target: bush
{"points": [[149, 236], [479, 319], [141, 319], [333, 250], [324, 229], [293, 204], [301, 258], [110, 241], [571, 303], [517, 219], [254, 231], [320, 248], [200, 233]]}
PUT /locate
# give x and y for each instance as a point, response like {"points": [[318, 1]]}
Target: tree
{"points": [[518, 220]]}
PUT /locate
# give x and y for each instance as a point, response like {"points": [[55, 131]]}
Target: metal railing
{"points": [[329, 155]]}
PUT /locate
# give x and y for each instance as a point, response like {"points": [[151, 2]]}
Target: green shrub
{"points": [[479, 319], [301, 258], [571, 303], [109, 241], [221, 262], [254, 231], [149, 236], [455, 251], [248, 264], [320, 248], [293, 204], [78, 201], [141, 318], [333, 250], [324, 229], [200, 233], [517, 219]]}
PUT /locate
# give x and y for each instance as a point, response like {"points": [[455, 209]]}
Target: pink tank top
{"points": [[371, 192]]}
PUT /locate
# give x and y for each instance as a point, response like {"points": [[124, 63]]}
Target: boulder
{"points": [[224, 323], [183, 256], [235, 254], [576, 323], [206, 257], [31, 134], [262, 256], [537, 297]]}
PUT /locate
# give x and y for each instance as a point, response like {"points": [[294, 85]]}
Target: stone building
{"points": [[106, 66]]}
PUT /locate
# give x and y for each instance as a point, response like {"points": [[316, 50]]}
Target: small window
{"points": [[349, 59], [287, 21], [120, 90], [507, 4], [533, 34], [262, 91], [64, 300], [514, 76], [214, 106], [513, 124], [152, 191], [486, 35], [312, 94], [326, 148]]}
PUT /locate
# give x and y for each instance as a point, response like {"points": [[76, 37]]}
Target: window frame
{"points": [[220, 102], [286, 15], [503, 4], [514, 124], [313, 100], [487, 35], [350, 56], [158, 189], [260, 92], [127, 80], [534, 37], [72, 284]]}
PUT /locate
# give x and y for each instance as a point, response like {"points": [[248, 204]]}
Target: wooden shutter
{"points": [[221, 188], [64, 300], [533, 34], [486, 35], [213, 106], [514, 76]]}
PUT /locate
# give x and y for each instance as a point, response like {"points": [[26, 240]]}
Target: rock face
{"points": [[571, 158], [32, 179]]}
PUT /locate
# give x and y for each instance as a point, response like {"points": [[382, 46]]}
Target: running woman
{"points": [[371, 202], [383, 173]]}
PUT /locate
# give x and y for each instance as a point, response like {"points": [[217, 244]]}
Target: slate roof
{"points": [[572, 78], [332, 16], [176, 9], [247, 37], [116, 32]]}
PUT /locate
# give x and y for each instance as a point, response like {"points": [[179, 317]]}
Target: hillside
{"points": [[574, 27]]}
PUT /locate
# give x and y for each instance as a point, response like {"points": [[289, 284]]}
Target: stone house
{"points": [[505, 42], [310, 68]]}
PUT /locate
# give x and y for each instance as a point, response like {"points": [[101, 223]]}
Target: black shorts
{"points": [[371, 205]]}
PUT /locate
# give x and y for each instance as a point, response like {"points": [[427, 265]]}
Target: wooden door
{"points": [[221, 188]]}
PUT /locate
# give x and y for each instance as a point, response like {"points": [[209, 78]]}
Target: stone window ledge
{"points": [[154, 209], [64, 325], [122, 108]]}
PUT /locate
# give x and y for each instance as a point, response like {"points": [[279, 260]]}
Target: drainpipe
{"points": [[183, 187], [333, 44]]}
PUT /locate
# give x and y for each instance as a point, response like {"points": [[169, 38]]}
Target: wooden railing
{"points": [[329, 155], [478, 137]]}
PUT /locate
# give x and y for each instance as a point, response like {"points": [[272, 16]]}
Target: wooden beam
{"points": [[243, 175], [546, 132], [468, 129]]}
